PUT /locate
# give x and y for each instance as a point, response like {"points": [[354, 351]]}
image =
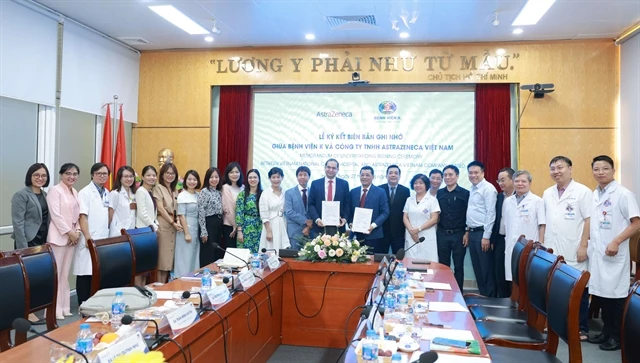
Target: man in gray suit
{"points": [[295, 208]]}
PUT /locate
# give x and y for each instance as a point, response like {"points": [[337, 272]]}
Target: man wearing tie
{"points": [[330, 188], [296, 201], [371, 197], [393, 228]]}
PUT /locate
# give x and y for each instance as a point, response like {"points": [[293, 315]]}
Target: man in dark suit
{"points": [[329, 188], [503, 287], [371, 197], [296, 201], [393, 227]]}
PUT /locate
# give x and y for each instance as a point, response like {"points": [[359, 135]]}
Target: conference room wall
{"points": [[175, 90]]}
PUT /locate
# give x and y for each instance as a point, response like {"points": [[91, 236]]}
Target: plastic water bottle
{"points": [[403, 298], [400, 272], [84, 343], [396, 357], [117, 310], [256, 264], [390, 300], [370, 347], [206, 280]]}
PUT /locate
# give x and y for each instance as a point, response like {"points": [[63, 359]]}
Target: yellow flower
{"points": [[335, 243], [334, 238], [327, 243], [339, 252], [354, 258], [355, 253]]}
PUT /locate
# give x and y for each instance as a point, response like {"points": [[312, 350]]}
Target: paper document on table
{"points": [[362, 220], [331, 213], [164, 295], [442, 306], [430, 333], [437, 286], [452, 358]]}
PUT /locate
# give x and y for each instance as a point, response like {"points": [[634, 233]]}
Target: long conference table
{"points": [[326, 294]]}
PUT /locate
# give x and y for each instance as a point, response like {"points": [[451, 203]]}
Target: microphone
{"points": [[226, 279], [264, 250], [151, 343], [22, 325], [420, 240], [428, 357], [187, 294]]}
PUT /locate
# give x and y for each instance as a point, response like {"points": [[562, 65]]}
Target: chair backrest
{"points": [[15, 296], [114, 263], [566, 287], [631, 326], [539, 271], [519, 260], [145, 246], [42, 276], [634, 252]]}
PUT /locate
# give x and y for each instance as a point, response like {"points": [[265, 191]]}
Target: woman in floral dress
{"points": [[248, 214]]}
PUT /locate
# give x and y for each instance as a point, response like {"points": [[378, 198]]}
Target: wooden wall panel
{"points": [[190, 145], [539, 146]]}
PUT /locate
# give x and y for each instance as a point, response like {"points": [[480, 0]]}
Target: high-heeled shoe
{"points": [[67, 313], [59, 317]]}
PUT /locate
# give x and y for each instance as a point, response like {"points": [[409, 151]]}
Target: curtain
{"points": [[234, 123], [493, 128]]}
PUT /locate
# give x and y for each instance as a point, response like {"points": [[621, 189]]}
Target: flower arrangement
{"points": [[336, 248]]}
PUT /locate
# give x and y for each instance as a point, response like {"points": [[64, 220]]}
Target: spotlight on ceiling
{"points": [[215, 28], [208, 39], [495, 21], [404, 35], [517, 31], [310, 36]]}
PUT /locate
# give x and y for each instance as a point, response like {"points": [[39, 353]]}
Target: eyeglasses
{"points": [[71, 174], [101, 174], [39, 176]]}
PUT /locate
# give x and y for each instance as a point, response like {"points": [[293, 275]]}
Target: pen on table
{"points": [[439, 326]]}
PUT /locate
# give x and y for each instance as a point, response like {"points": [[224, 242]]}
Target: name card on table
{"points": [[182, 317], [247, 279], [218, 295], [133, 343], [273, 262]]}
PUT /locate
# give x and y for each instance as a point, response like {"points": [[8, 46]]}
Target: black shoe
{"points": [[598, 339], [611, 344]]}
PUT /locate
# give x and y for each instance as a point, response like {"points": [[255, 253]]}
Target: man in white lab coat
{"points": [[567, 211], [522, 214], [615, 217]]}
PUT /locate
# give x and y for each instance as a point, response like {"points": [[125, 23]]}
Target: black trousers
{"points": [[612, 310], [396, 244], [483, 265], [503, 287], [450, 245], [209, 254], [83, 288], [228, 242]]}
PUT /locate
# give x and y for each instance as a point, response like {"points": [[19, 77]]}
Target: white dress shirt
{"points": [[481, 211]]}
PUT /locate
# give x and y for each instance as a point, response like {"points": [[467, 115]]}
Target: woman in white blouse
{"points": [[274, 231], [122, 201], [421, 213], [147, 213]]}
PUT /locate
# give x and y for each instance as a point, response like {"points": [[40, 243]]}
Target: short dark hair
{"points": [[68, 166], [509, 171], [393, 166], [32, 169], [367, 167], [117, 184], [165, 168], [227, 170], [97, 166], [332, 159], [275, 170], [561, 158], [417, 177], [195, 175], [604, 158], [452, 167], [303, 169], [207, 176], [476, 163], [436, 171]]}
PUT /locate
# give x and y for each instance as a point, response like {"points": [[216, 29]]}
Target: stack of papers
{"points": [[442, 306], [437, 286]]}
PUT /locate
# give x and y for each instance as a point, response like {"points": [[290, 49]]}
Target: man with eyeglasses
{"points": [[505, 182], [451, 237]]}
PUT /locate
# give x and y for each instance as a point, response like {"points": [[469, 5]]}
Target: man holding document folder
{"points": [[328, 189], [369, 210]]}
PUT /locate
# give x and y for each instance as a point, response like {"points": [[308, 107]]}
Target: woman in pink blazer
{"points": [[64, 231]]}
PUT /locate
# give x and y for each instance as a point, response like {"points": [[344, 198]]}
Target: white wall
{"points": [[629, 165]]}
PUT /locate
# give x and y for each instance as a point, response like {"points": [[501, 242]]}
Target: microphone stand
{"points": [[23, 325], [420, 240], [400, 256]]}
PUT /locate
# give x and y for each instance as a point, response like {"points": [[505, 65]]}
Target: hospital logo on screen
{"points": [[387, 107]]}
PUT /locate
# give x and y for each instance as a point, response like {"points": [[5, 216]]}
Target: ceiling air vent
{"points": [[134, 40], [356, 22]]}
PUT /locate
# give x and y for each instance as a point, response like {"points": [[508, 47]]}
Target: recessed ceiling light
{"points": [[310, 36], [517, 31], [178, 19], [405, 54], [532, 11], [324, 55], [404, 35], [208, 39], [500, 51]]}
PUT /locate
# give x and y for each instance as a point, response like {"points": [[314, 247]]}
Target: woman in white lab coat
{"points": [[94, 224], [421, 214], [522, 214], [122, 201]]}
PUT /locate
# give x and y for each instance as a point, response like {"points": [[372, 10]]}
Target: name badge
{"points": [[181, 318], [105, 203], [273, 262], [605, 225], [524, 212], [247, 279], [570, 215], [218, 295], [134, 343]]}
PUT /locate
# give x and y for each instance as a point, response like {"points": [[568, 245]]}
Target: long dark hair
{"points": [[247, 188], [165, 168], [227, 170], [144, 171], [117, 184], [207, 176]]}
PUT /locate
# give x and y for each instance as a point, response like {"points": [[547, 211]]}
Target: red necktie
{"points": [[330, 191], [363, 197]]}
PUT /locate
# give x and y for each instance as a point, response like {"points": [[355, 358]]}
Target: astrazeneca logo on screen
{"points": [[418, 131]]}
